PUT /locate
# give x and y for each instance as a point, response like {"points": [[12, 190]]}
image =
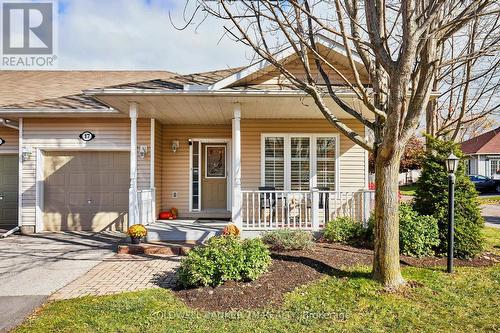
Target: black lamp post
{"points": [[451, 167]]}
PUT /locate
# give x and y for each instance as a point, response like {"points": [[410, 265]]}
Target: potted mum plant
{"points": [[137, 232], [231, 230]]}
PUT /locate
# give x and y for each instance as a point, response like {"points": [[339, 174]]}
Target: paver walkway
{"points": [[121, 273]]}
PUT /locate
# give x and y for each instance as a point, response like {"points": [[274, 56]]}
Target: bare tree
{"points": [[469, 82], [400, 45]]}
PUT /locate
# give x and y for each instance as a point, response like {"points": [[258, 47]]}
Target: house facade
{"points": [[483, 154], [103, 150]]}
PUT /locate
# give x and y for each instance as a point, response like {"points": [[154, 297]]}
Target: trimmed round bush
{"points": [[344, 230], [288, 239], [418, 234], [224, 258]]}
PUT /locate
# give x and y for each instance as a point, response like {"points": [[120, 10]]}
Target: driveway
{"points": [[33, 267], [491, 214]]}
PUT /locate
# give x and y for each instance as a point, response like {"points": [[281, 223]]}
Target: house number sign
{"points": [[87, 136], [2, 141]]}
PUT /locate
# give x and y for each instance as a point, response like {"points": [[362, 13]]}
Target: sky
{"points": [[139, 35]]}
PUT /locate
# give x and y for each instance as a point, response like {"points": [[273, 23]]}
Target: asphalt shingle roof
{"points": [[487, 143], [63, 89]]}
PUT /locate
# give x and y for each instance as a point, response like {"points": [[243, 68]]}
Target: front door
{"points": [[214, 176]]}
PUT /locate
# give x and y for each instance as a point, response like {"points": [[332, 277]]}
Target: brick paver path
{"points": [[123, 272]]}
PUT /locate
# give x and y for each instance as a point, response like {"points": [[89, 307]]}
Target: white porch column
{"points": [[133, 204], [236, 164]]}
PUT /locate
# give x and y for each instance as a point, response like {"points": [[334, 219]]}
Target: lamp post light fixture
{"points": [[451, 167]]}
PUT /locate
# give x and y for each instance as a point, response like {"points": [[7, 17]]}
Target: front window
{"points": [[495, 169], [325, 165], [274, 162], [299, 162]]}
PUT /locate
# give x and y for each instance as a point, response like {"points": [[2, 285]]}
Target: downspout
{"points": [[10, 232], [9, 123], [13, 125]]}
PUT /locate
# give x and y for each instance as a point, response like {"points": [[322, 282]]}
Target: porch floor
{"points": [[184, 230]]}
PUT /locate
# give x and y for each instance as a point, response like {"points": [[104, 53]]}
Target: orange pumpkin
{"points": [[165, 216]]}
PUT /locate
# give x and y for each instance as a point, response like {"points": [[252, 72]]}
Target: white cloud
{"points": [[138, 34]]}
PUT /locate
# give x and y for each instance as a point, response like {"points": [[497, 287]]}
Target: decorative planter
{"points": [[136, 240]]}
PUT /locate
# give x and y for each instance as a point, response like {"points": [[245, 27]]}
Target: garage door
{"points": [[86, 191], [9, 167]]}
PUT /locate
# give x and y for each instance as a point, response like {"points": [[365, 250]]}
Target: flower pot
{"points": [[136, 240]]}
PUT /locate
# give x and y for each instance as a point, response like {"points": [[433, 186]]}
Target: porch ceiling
{"points": [[199, 109]]}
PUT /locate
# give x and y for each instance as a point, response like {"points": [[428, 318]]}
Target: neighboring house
{"points": [[102, 150], [483, 154]]}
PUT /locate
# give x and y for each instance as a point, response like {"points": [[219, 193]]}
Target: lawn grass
{"points": [[492, 239], [490, 199], [466, 301], [407, 189]]}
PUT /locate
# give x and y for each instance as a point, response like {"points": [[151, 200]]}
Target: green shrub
{"points": [[431, 198], [224, 258], [418, 234], [288, 239], [257, 259], [345, 230]]}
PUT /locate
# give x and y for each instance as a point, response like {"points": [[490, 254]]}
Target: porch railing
{"points": [[146, 200], [303, 209]]}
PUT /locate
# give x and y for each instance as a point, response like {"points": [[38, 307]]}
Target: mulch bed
{"points": [[290, 270]]}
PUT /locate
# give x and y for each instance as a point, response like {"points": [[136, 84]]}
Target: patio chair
{"points": [[268, 200], [324, 201]]}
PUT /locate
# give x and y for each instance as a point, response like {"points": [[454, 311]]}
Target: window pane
{"points": [[495, 168], [325, 165], [300, 161], [195, 175], [274, 163]]}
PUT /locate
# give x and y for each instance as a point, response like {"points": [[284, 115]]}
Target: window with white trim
{"points": [[299, 162], [495, 169], [325, 162], [274, 162]]}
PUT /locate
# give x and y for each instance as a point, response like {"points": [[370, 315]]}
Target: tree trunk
{"points": [[386, 268], [430, 115]]}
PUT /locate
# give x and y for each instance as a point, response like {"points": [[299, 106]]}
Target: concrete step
{"points": [[156, 248], [184, 231]]}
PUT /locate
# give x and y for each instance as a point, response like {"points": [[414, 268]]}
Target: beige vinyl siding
{"points": [[62, 134], [352, 157], [158, 165], [144, 165], [11, 137], [175, 171]]}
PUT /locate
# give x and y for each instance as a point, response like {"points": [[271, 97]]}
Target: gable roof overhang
{"points": [[284, 56]]}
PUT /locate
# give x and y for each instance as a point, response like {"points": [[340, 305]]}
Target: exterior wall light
{"points": [[175, 146], [142, 152]]}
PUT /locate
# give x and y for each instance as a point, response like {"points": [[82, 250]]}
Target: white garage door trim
{"points": [[39, 195]]}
